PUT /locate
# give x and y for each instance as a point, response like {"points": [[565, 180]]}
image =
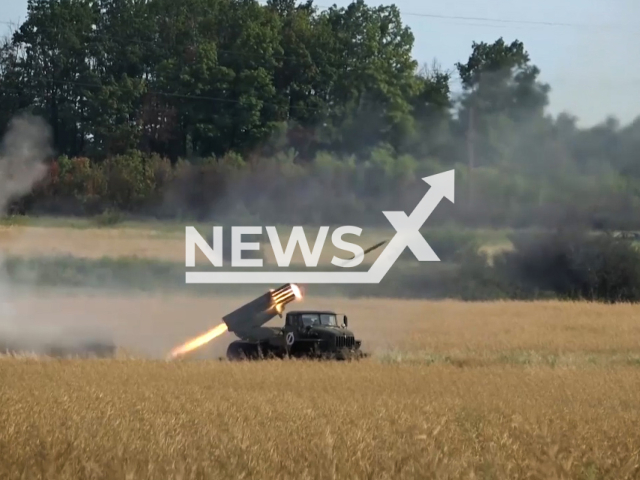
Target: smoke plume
{"points": [[23, 152]]}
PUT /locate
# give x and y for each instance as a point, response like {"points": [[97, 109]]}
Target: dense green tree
{"points": [[53, 66], [205, 77], [502, 99], [294, 104]]}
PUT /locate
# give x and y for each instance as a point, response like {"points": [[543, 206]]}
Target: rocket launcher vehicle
{"points": [[256, 313], [306, 333]]}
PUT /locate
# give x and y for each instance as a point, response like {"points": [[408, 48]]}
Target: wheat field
{"points": [[499, 390], [148, 420]]}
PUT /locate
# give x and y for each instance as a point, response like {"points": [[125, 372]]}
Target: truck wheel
{"points": [[239, 351]]}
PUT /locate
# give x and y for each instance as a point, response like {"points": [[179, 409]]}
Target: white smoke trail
{"points": [[23, 152]]}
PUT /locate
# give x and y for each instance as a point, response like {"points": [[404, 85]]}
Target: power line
{"points": [[484, 19], [95, 37], [504, 20], [497, 20], [162, 94], [453, 79], [214, 99]]}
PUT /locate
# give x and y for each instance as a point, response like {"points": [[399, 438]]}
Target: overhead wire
{"points": [[215, 99], [467, 18], [97, 36], [165, 94], [503, 20]]}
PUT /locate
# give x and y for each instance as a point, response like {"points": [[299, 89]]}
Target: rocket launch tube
{"points": [[259, 311], [286, 294]]}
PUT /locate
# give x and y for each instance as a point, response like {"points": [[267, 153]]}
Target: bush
{"points": [[328, 189], [109, 218], [566, 265], [130, 180], [573, 265], [449, 243]]}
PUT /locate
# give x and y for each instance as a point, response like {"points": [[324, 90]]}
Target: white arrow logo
{"points": [[407, 235]]}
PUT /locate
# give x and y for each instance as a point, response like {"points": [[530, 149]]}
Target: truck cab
{"points": [[304, 319], [325, 330]]}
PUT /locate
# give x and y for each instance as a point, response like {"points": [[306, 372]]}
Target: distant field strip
{"points": [[165, 241], [164, 245]]}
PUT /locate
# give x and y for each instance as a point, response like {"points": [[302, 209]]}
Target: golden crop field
{"points": [[498, 390], [147, 420]]}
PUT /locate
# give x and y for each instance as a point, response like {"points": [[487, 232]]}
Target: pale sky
{"points": [[591, 64]]}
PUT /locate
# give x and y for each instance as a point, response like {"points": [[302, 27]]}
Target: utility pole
{"points": [[471, 149]]}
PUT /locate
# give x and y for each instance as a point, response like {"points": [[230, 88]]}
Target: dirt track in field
{"points": [[147, 243], [150, 325]]}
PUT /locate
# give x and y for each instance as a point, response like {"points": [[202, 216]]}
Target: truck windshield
{"points": [[327, 319], [309, 320], [330, 320]]}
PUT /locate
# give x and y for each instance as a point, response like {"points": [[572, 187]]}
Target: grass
{"points": [[202, 420], [150, 242], [494, 390], [497, 390], [94, 238], [119, 236], [147, 256]]}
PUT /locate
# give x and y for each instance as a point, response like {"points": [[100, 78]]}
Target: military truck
{"points": [[308, 333], [315, 334]]}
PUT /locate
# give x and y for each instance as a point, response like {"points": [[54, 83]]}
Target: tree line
{"points": [[289, 112]]}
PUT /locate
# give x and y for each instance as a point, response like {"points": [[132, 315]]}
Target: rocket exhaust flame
{"points": [[249, 316], [199, 341]]}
